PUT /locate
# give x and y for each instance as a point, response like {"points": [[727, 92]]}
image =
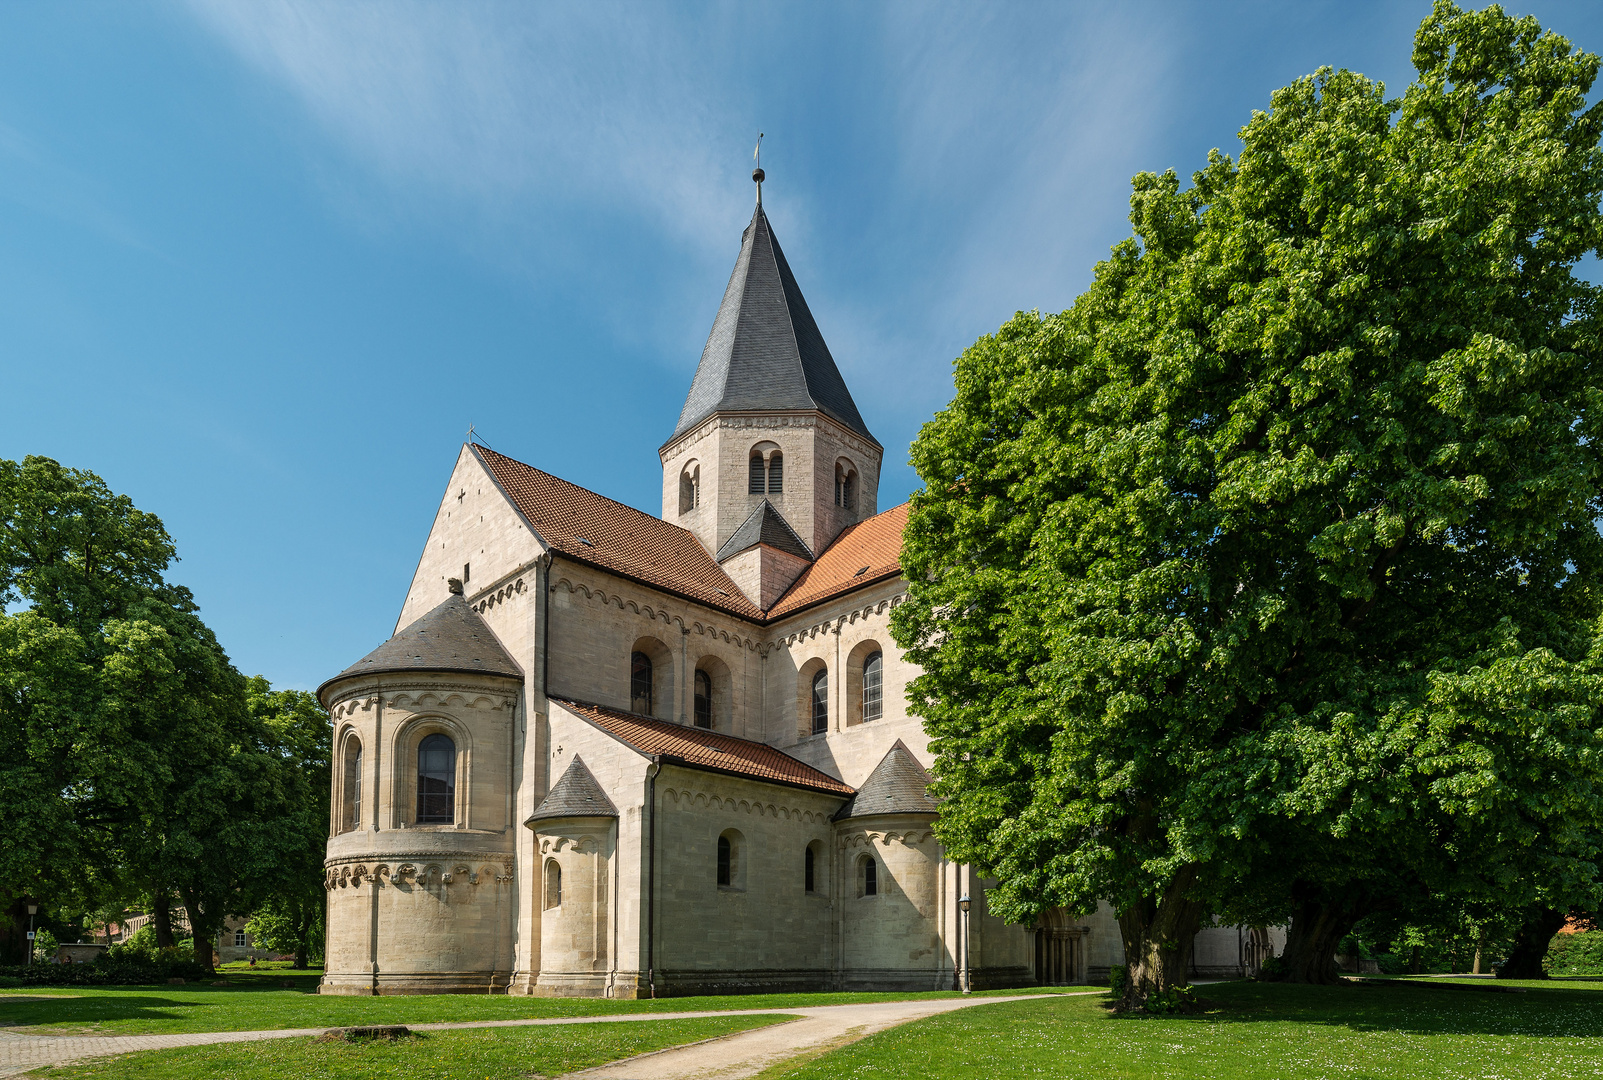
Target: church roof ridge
{"points": [[765, 525], [898, 785], [590, 528], [449, 638], [710, 751], [576, 794], [765, 352]]}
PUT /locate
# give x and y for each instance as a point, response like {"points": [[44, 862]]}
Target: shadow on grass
{"points": [[1399, 1007], [74, 1011]]}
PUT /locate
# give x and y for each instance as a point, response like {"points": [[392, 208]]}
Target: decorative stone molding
{"points": [[911, 838], [647, 610], [498, 595], [703, 799], [835, 622]]}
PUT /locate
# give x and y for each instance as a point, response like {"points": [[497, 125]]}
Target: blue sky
{"points": [[262, 263]]}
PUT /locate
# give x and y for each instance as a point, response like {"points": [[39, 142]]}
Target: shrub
{"points": [[105, 971], [1117, 974], [1575, 954]]}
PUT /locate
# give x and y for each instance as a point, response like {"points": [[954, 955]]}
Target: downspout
{"points": [[651, 872]]}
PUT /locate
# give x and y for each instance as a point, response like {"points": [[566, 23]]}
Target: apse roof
{"points": [[449, 638], [898, 785], [765, 352], [698, 748], [765, 525], [577, 794]]}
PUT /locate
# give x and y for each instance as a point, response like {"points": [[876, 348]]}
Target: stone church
{"points": [[611, 754]]}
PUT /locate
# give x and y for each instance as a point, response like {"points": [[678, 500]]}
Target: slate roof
{"points": [[898, 785], [575, 795], [765, 525], [765, 351], [863, 553], [449, 638], [697, 748], [593, 529]]}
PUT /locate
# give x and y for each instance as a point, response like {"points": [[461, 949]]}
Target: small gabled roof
{"points": [[765, 352], [898, 785], [697, 748], [450, 638], [594, 529], [577, 794], [765, 525], [863, 553]]}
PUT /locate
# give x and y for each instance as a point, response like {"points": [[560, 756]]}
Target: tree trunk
{"points": [[1158, 935], [1530, 945], [161, 917], [1317, 927], [303, 930], [202, 933]]}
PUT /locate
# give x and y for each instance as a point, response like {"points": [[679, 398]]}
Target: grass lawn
{"points": [[257, 1001], [1250, 1030], [483, 1054]]}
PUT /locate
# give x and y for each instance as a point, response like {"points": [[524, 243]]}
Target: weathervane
{"points": [[757, 167]]}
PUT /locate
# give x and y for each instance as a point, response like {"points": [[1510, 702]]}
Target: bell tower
{"points": [[770, 451]]}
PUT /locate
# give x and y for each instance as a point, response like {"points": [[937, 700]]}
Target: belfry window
{"points": [[436, 781], [690, 489], [776, 473], [640, 683], [759, 480], [821, 702], [703, 699], [873, 681]]}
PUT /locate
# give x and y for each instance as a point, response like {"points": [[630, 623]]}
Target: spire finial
{"points": [[757, 167]]}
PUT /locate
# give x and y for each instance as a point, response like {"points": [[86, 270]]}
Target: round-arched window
{"points": [[553, 884], [873, 686], [821, 702], [703, 699], [436, 780], [640, 683]]}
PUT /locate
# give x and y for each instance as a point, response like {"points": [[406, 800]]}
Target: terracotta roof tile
{"points": [[593, 529], [865, 552], [701, 749]]}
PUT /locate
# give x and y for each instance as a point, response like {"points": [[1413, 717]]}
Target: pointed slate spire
{"points": [[765, 352], [898, 785], [765, 525], [577, 794], [451, 637]]}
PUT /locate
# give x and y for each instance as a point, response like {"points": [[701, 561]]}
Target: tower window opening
{"points": [[640, 683], [690, 489], [776, 473], [703, 699], [821, 702], [758, 483]]}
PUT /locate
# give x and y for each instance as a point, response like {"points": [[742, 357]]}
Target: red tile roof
{"points": [[697, 748], [593, 529], [865, 552]]}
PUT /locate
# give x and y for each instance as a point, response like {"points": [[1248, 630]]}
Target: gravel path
{"points": [[727, 1058]]}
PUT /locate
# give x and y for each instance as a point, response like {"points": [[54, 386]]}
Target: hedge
{"points": [[102, 972]]}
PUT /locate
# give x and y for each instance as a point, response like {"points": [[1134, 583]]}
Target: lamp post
{"points": [[963, 904], [33, 909]]}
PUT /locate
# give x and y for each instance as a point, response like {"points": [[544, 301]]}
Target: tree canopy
{"points": [[134, 758], [1268, 570]]}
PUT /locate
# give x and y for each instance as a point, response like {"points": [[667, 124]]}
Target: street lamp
{"points": [[33, 909], [963, 904]]}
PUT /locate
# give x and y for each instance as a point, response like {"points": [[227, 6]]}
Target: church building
{"points": [[612, 754]]}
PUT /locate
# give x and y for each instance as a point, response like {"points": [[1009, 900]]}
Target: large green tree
{"points": [[1277, 550]]}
